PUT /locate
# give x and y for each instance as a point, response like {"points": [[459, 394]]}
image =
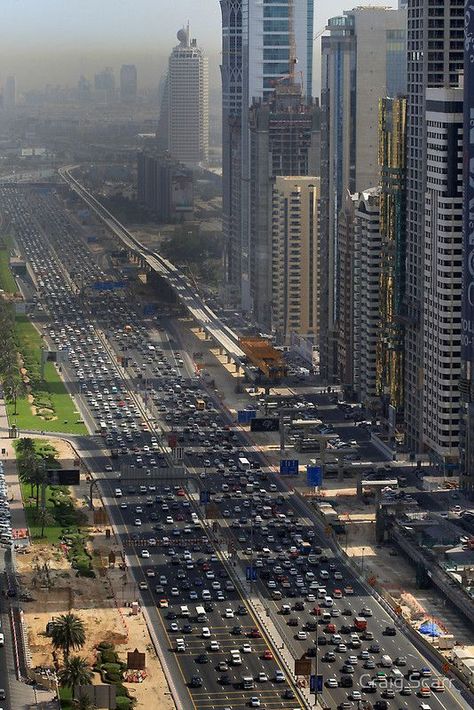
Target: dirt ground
{"points": [[46, 575]]}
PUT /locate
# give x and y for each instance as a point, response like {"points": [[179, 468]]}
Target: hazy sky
{"points": [[56, 40]]}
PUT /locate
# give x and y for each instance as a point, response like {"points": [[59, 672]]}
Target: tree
{"points": [[83, 703], [44, 518], [76, 672], [68, 633]]}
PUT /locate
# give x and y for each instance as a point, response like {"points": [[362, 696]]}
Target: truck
{"points": [[305, 548], [360, 623]]}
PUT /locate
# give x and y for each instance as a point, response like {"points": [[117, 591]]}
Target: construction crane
{"points": [[319, 33]]}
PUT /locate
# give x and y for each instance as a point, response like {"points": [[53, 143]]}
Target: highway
{"points": [[164, 378], [202, 314]]}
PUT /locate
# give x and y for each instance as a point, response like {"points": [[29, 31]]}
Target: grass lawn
{"points": [[66, 418], [65, 696], [7, 282], [52, 533]]}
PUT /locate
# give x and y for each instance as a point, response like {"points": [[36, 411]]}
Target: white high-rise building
{"points": [[188, 101], [442, 275]]}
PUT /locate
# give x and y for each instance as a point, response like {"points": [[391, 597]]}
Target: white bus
{"points": [[243, 464]]}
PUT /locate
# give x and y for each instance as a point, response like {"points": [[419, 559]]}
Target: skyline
{"points": [[78, 32]]}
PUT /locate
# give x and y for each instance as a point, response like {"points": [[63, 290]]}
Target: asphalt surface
{"points": [[95, 330]]}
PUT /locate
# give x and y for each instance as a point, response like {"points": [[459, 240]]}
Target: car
{"points": [[202, 658], [390, 631], [437, 685], [279, 676], [267, 655], [288, 694], [332, 683], [356, 695], [424, 691], [365, 611], [145, 554], [214, 646], [224, 679], [205, 633], [228, 614], [254, 702], [195, 682], [246, 648], [301, 636], [142, 586]]}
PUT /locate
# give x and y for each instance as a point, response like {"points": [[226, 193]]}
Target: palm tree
{"points": [[68, 633], [76, 672], [25, 445], [45, 518]]}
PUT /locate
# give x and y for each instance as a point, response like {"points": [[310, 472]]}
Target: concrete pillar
{"points": [[229, 359], [237, 367], [359, 486], [340, 469]]}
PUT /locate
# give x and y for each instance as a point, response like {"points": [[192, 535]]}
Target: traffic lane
{"points": [[255, 667]]}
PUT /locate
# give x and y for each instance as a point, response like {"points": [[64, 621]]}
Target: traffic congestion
{"points": [[210, 532]]}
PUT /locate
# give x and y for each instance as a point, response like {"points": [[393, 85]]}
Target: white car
{"points": [[262, 677], [246, 648], [138, 522], [143, 586], [332, 683], [205, 633], [302, 635], [279, 676], [145, 554], [214, 646], [228, 614], [174, 592]]}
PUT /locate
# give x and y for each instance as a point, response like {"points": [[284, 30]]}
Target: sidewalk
{"points": [[21, 696]]}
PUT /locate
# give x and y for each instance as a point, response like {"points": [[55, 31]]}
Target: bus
{"points": [[103, 428], [243, 464], [200, 405], [302, 425]]}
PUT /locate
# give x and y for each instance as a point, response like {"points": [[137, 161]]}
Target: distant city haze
{"points": [[55, 41]]}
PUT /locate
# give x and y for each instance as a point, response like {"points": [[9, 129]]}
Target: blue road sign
{"points": [[314, 475], [289, 467], [204, 497], [319, 684], [312, 683], [245, 415], [251, 573]]}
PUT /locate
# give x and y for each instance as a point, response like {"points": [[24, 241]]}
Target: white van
{"points": [[184, 611], [328, 601], [386, 661], [118, 492]]}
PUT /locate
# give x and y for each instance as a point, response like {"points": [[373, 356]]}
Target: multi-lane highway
{"points": [[176, 557]]}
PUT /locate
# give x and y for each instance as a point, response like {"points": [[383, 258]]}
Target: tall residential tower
{"points": [[188, 101], [363, 60]]}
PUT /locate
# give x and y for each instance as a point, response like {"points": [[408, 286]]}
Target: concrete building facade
{"points": [[188, 101], [295, 257], [366, 292], [261, 42], [435, 54], [284, 140], [165, 186], [442, 275], [363, 60]]}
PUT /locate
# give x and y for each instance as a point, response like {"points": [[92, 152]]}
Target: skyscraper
{"points": [[128, 82], [188, 101], [9, 93], [262, 41], [295, 257], [104, 84], [466, 439], [363, 60], [284, 140], [390, 345], [435, 59], [442, 276]]}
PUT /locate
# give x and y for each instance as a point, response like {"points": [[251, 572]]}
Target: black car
{"points": [[209, 606], [299, 606], [374, 648], [195, 682], [187, 629], [347, 612], [346, 681], [237, 630], [345, 629], [390, 631], [311, 626], [242, 611], [322, 640], [202, 658], [329, 657], [225, 679], [310, 652], [288, 694], [171, 615]]}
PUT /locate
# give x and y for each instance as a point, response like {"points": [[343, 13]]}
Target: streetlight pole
{"points": [[363, 553]]}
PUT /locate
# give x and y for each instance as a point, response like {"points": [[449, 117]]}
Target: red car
{"points": [[180, 492], [267, 655], [255, 634]]}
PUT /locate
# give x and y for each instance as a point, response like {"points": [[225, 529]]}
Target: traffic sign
{"points": [[265, 424], [251, 573], [314, 475], [63, 476], [244, 416], [204, 497], [289, 467]]}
